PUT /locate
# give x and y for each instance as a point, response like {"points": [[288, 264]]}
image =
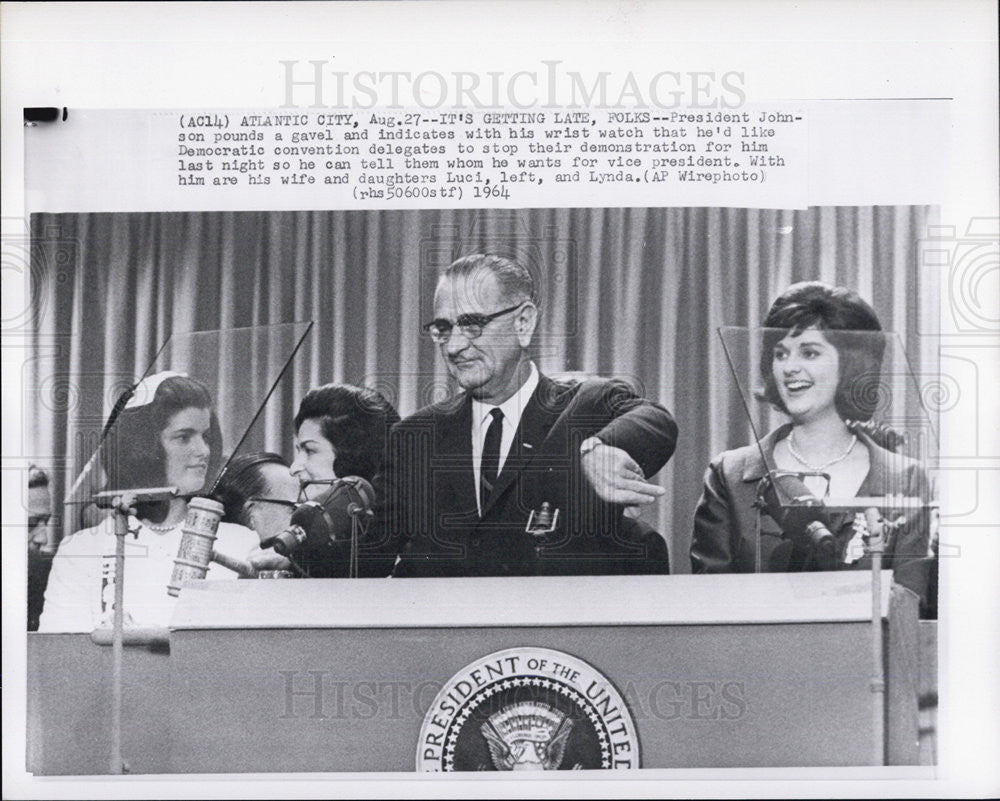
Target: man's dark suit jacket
{"points": [[432, 493]]}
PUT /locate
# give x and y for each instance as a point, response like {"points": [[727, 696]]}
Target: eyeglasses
{"points": [[472, 325]]}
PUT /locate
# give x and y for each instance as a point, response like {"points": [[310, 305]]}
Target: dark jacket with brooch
{"points": [[725, 521]]}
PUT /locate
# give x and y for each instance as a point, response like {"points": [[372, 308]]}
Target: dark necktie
{"points": [[489, 465]]}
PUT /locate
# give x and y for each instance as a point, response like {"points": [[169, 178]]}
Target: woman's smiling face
{"points": [[806, 371], [314, 456]]}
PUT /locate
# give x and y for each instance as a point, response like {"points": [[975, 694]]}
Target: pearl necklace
{"points": [[798, 458], [161, 529]]}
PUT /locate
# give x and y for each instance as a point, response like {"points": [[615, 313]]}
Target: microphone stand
{"points": [[352, 568], [122, 504], [121, 509], [877, 530], [876, 547], [356, 511], [780, 502], [757, 557]]}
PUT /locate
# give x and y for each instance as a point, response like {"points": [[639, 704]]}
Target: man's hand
{"points": [[617, 478], [268, 559]]}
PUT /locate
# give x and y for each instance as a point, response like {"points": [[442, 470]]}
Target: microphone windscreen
{"points": [[319, 532], [801, 516], [328, 518], [792, 490], [790, 503]]}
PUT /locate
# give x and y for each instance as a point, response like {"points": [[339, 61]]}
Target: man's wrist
{"points": [[589, 444]]}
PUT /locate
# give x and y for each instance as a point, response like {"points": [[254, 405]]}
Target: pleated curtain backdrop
{"points": [[635, 293]]}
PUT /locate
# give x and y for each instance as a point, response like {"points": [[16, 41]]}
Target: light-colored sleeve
{"points": [[235, 541], [74, 584]]}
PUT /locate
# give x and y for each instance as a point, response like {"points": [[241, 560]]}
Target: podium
{"points": [[342, 675]]}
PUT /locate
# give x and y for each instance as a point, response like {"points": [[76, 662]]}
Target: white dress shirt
{"points": [[512, 409]]}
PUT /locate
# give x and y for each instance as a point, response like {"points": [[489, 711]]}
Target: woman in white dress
{"points": [[167, 435]]}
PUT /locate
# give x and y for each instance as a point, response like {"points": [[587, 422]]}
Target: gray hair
{"points": [[514, 279]]}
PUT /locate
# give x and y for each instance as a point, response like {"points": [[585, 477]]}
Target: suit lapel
{"points": [[455, 445], [536, 421]]}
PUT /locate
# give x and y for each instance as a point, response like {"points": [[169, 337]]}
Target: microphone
{"points": [[364, 494], [799, 513], [327, 520], [109, 498]]}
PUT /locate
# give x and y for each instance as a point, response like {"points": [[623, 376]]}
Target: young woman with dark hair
{"points": [[167, 435], [820, 364]]}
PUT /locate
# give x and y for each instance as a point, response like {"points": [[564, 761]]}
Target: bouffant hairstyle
{"points": [[242, 480], [132, 455], [840, 314], [356, 421]]}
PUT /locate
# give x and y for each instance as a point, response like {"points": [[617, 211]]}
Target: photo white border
{"points": [[203, 55]]}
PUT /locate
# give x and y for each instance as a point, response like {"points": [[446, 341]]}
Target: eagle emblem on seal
{"points": [[529, 735]]}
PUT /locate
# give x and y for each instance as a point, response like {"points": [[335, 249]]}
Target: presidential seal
{"points": [[527, 709]]}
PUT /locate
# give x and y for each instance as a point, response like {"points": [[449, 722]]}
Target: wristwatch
{"points": [[589, 444]]}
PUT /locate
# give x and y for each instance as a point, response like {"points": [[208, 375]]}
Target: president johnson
{"points": [[520, 474]]}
